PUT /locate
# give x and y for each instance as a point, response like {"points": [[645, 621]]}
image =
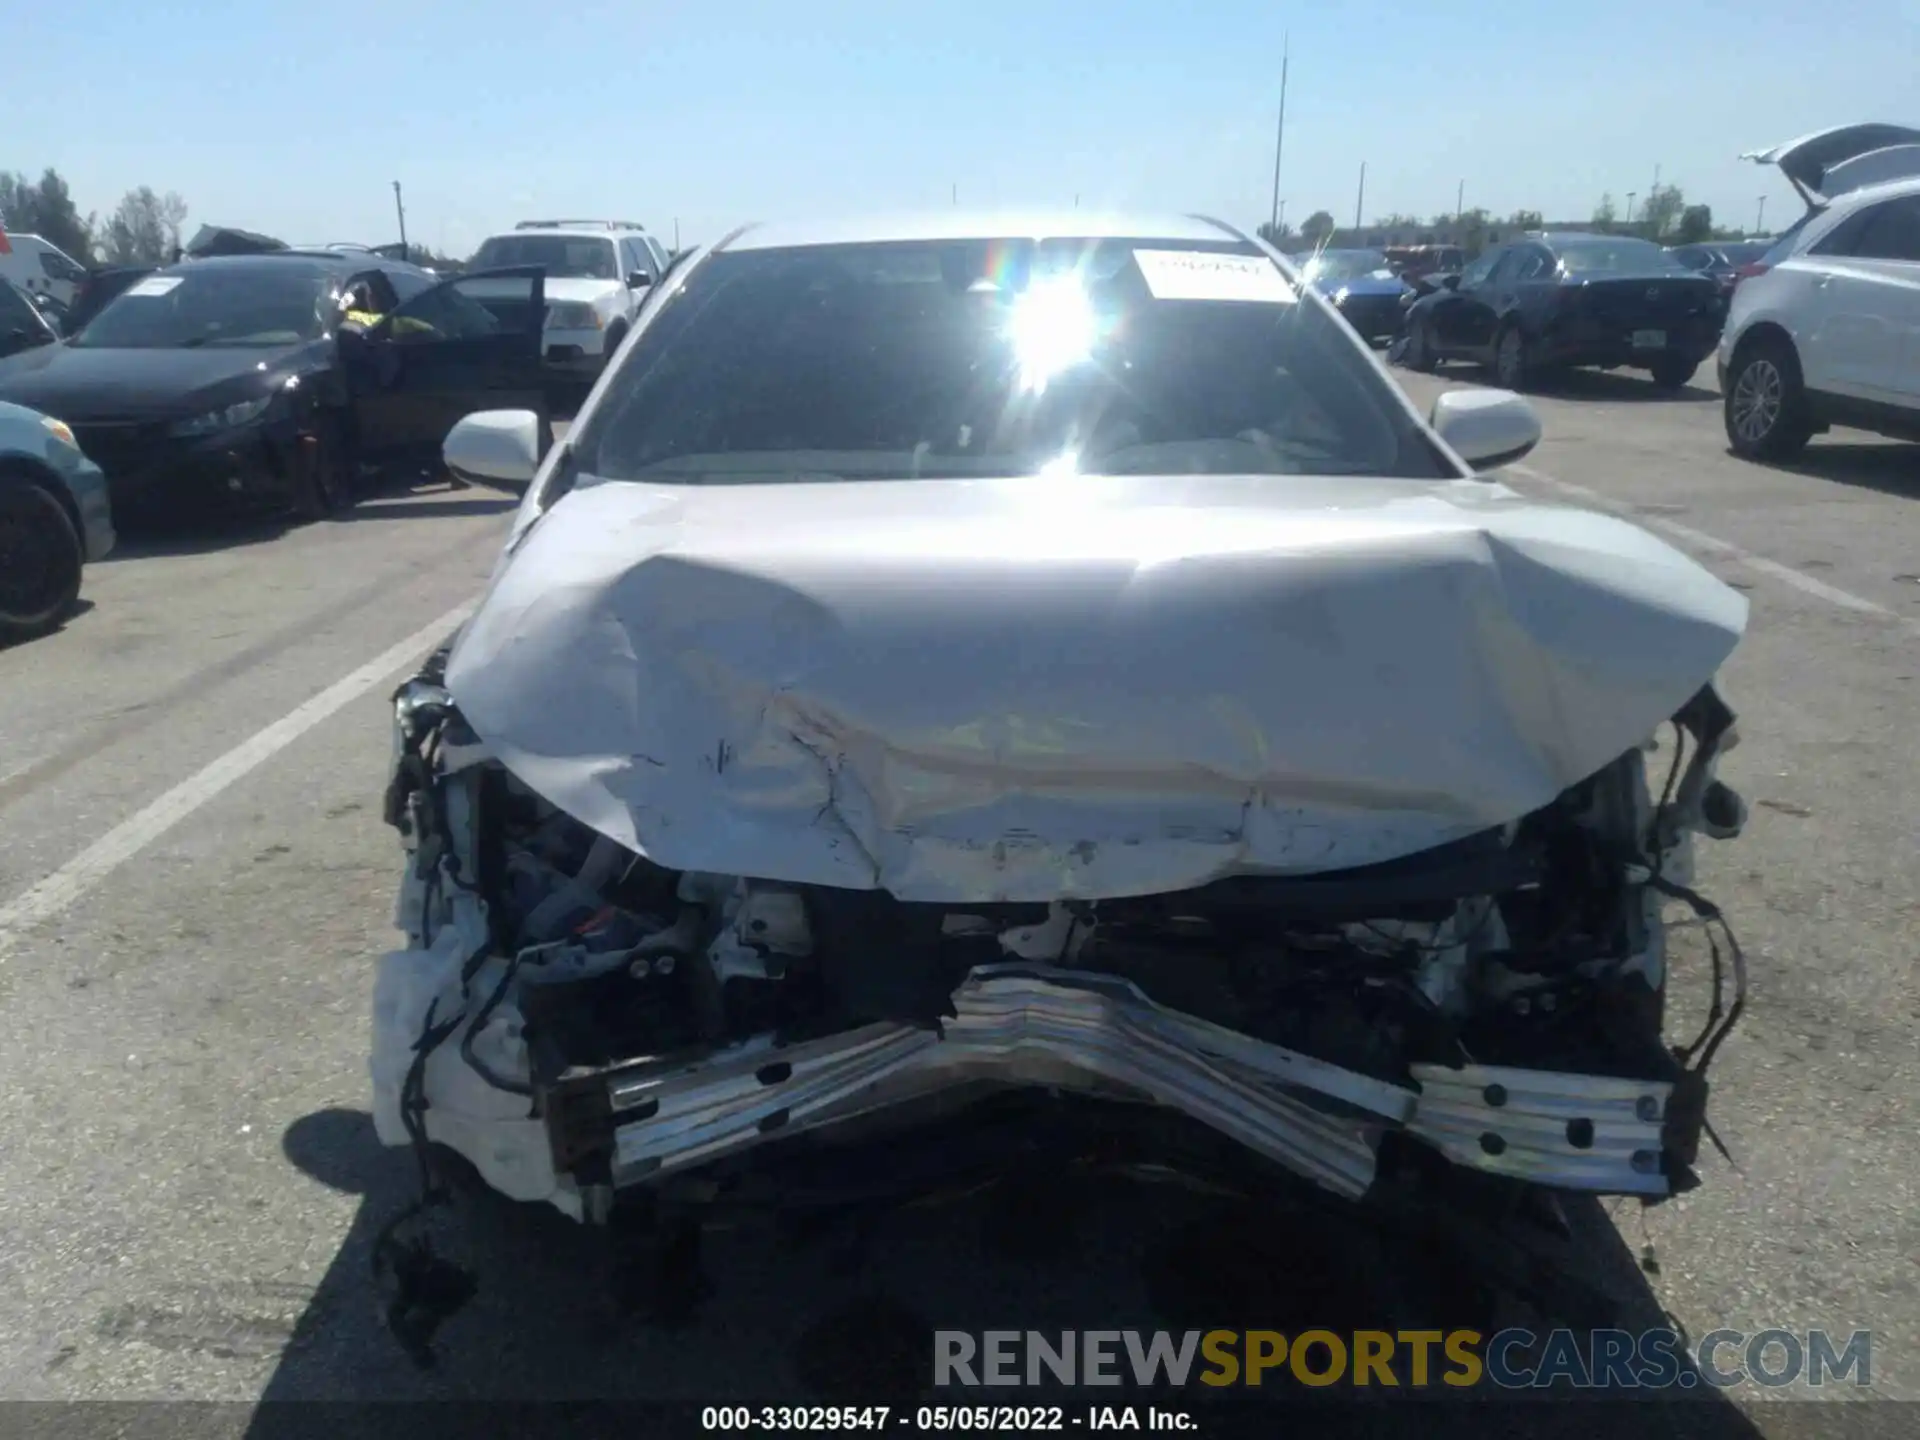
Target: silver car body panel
{"points": [[1035, 689]]}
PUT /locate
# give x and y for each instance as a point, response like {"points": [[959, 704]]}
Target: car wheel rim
{"points": [[1757, 398], [26, 567]]}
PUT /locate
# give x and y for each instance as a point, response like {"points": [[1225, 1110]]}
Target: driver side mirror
{"points": [[639, 280], [1486, 428], [501, 445]]}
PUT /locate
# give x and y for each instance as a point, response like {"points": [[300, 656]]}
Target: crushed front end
{"points": [[578, 1021]]}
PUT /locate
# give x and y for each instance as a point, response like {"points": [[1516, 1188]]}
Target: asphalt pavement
{"points": [[194, 882]]}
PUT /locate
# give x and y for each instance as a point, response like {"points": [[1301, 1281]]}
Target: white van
{"points": [[40, 266]]}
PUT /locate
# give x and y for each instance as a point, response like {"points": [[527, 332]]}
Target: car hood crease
{"points": [[1023, 690]]}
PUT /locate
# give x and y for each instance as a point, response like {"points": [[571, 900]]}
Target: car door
{"points": [[1862, 335], [466, 344], [1517, 288], [1463, 317], [638, 258], [22, 327]]}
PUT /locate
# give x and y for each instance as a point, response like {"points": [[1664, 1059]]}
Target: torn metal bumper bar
{"points": [[1021, 1024]]}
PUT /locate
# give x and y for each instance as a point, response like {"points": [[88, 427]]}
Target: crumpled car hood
{"points": [[1033, 689]]}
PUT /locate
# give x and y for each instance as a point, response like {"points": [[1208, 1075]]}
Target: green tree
{"points": [[1696, 224], [1527, 220], [1662, 211], [46, 209], [1275, 235], [1471, 231], [145, 227], [1317, 227], [1605, 216]]}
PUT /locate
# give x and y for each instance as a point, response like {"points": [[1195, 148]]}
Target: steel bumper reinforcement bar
{"points": [[1023, 1024]]}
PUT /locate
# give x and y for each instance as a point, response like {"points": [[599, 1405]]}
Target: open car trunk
{"points": [[1315, 812], [1832, 162]]}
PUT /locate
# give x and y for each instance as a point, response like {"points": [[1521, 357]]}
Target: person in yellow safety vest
{"points": [[359, 309]]}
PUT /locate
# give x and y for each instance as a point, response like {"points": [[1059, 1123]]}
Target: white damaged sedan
{"points": [[1044, 654]]}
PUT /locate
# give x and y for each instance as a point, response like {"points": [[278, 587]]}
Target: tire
{"points": [[1765, 409], [40, 561], [1419, 353], [325, 485], [616, 335], [1512, 366], [1672, 372]]}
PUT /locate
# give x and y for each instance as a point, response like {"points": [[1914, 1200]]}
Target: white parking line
{"points": [[1700, 540], [132, 835]]}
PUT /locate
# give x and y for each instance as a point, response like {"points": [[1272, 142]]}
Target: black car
{"points": [[239, 378], [1722, 261], [1546, 303], [99, 288], [23, 324]]}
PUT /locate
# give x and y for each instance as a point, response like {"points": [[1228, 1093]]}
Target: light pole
{"points": [[1280, 137], [1360, 200], [1630, 195], [401, 211], [1760, 217]]}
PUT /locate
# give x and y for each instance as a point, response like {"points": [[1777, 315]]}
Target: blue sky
{"points": [[294, 118]]}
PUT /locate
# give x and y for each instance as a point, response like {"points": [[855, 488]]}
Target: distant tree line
{"points": [[144, 228], [1663, 216]]}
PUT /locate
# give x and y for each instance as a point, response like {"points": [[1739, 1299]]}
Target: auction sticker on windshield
{"points": [[154, 285], [1197, 275]]}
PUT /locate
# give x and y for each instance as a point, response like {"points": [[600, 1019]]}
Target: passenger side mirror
{"points": [[1486, 428], [639, 280], [501, 445]]}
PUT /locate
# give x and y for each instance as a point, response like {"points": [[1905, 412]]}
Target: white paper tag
{"points": [[1196, 275], [154, 285]]}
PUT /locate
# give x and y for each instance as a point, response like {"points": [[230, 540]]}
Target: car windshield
{"points": [[565, 257], [1616, 255], [931, 360], [205, 303], [1349, 265]]}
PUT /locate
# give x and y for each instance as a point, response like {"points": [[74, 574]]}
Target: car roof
{"points": [[328, 262], [1583, 237], [568, 232], [979, 225]]}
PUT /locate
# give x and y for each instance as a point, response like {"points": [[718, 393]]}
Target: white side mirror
{"points": [[495, 445], [1487, 428]]}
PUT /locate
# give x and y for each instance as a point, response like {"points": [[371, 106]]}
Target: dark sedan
{"points": [[238, 378], [1724, 262], [1362, 286], [1546, 303]]}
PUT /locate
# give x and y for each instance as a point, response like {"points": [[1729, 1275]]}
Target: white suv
{"points": [[598, 272], [1823, 329]]}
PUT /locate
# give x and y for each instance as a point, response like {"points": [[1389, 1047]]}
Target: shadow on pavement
{"points": [[1891, 467], [842, 1307], [1631, 387], [80, 607], [152, 537], [482, 502]]}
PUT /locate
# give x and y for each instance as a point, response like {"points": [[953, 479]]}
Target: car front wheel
{"points": [[1419, 352], [40, 561], [1766, 403], [1672, 372], [1512, 366]]}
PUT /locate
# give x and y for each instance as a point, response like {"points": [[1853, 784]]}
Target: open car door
{"points": [[470, 343]]}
